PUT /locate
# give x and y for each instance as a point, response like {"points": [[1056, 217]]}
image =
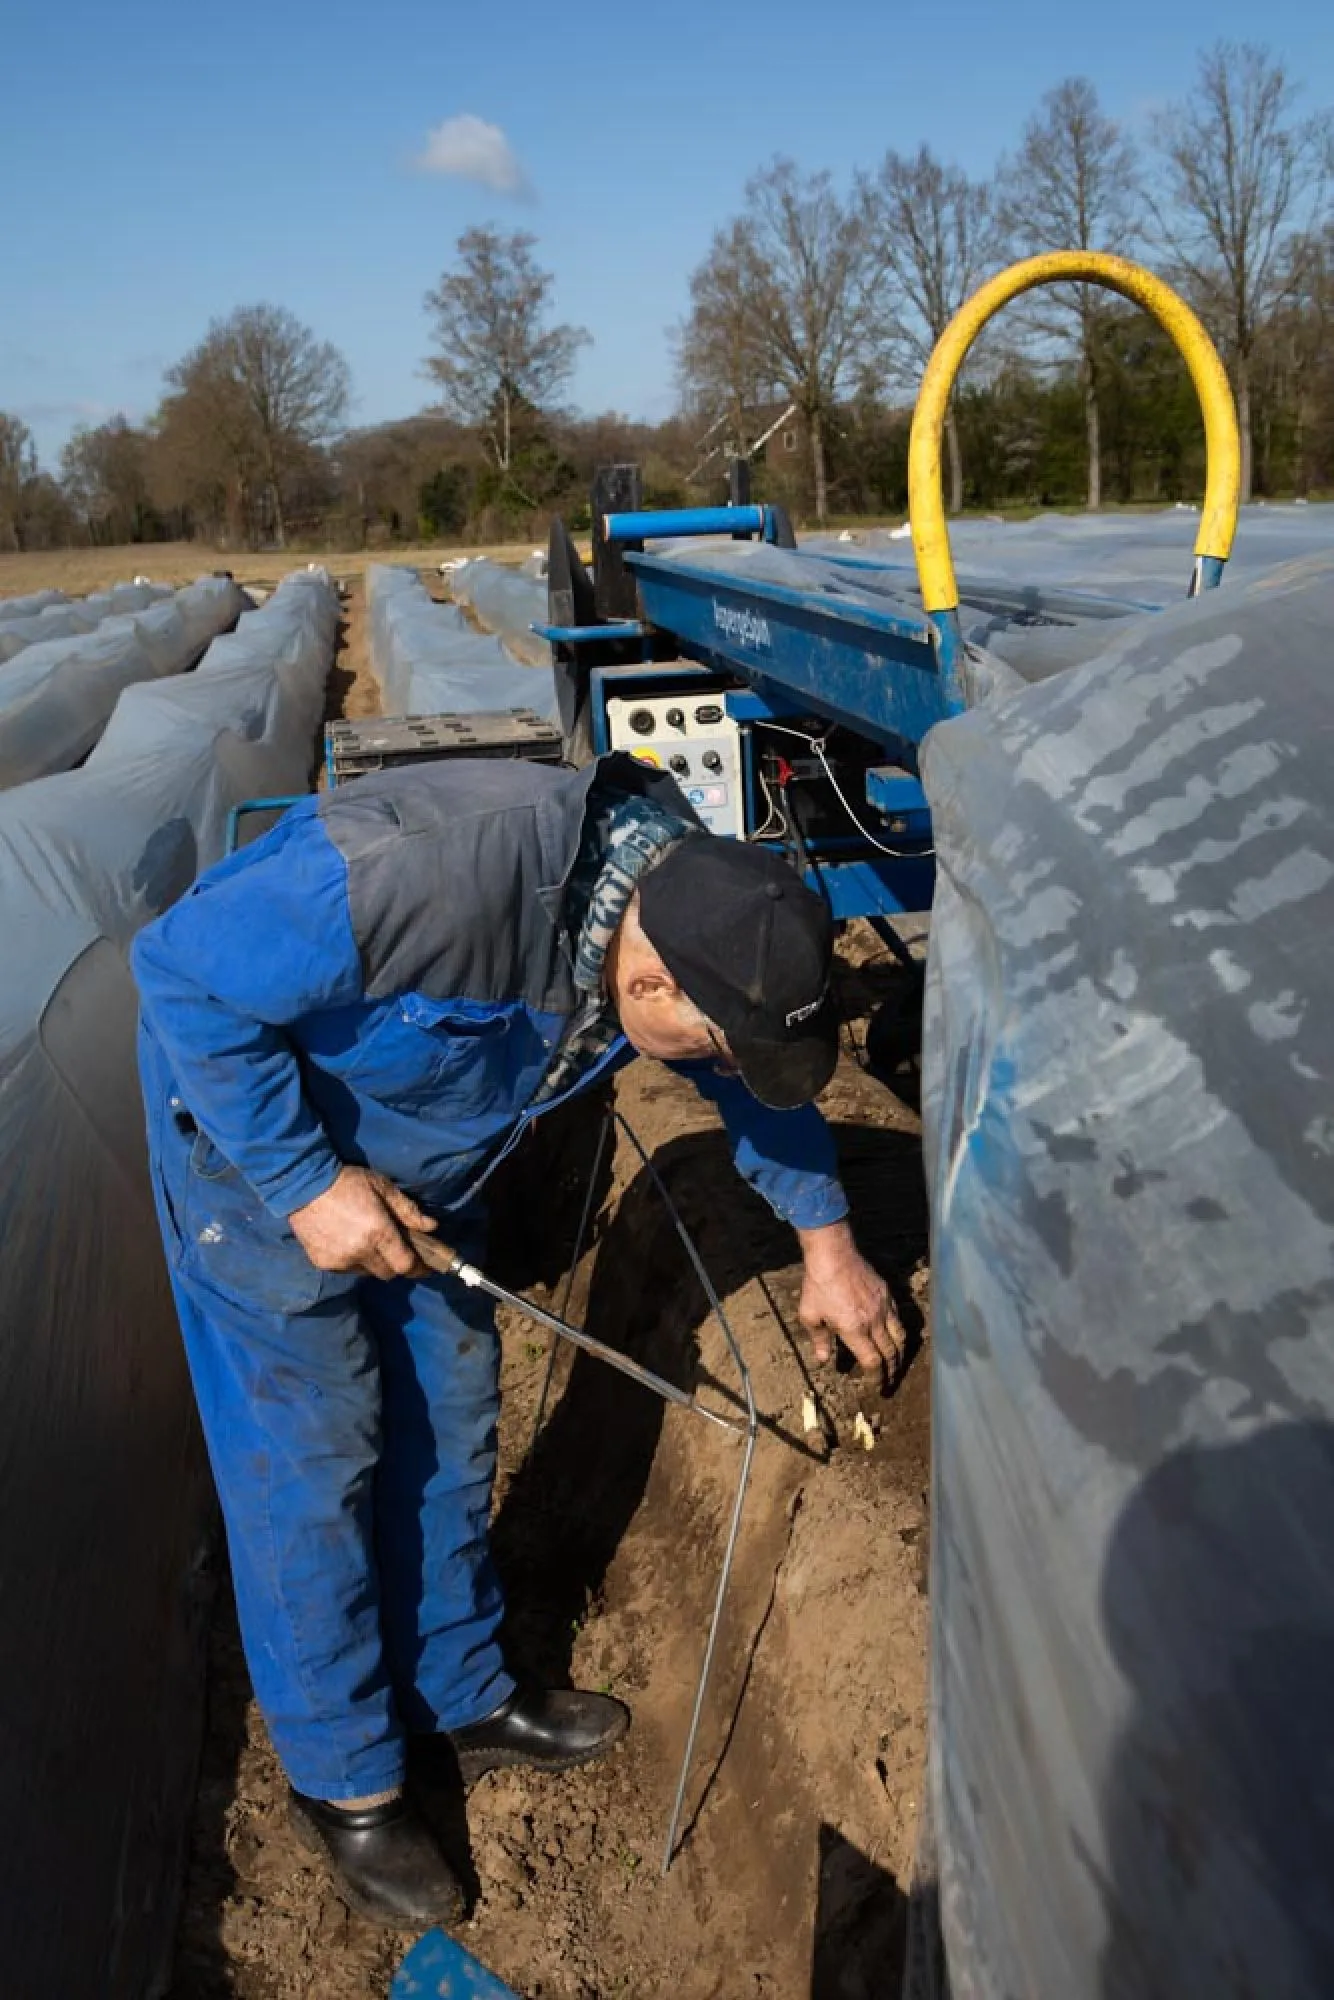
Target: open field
{"points": [[80, 570]]}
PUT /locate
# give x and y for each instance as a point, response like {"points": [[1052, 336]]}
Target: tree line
{"points": [[808, 323], [824, 297]]}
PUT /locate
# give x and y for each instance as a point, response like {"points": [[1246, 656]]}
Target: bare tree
{"points": [[18, 467], [782, 299], [1073, 185], [262, 393], [48, 521], [1292, 370], [724, 369], [495, 352], [297, 387], [934, 237], [1244, 176], [104, 473], [205, 463]]}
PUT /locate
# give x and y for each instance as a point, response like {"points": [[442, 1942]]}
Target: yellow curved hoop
{"points": [[926, 506]]}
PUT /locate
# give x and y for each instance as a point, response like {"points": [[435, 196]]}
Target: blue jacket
{"points": [[382, 980]]}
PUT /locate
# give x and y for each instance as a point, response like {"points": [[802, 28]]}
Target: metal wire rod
{"points": [[564, 1309], [743, 1482], [706, 1667], [441, 1258]]}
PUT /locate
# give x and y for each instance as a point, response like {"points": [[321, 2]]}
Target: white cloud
{"points": [[469, 149]]}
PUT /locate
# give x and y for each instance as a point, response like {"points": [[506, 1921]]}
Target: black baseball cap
{"points": [[752, 946]]}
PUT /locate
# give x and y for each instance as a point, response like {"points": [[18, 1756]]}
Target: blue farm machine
{"points": [[789, 690]]}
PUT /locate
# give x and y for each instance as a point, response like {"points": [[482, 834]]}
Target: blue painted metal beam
{"points": [[238, 813], [899, 798], [950, 655], [1207, 574], [677, 521], [577, 635], [878, 886], [874, 669]]}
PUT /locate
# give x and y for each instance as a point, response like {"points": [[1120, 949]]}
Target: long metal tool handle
{"points": [[439, 1257]]}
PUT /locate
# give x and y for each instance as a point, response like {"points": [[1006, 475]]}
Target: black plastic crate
{"points": [[383, 742]]}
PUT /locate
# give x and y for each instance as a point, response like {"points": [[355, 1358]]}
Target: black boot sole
{"points": [[474, 1764], [311, 1836]]}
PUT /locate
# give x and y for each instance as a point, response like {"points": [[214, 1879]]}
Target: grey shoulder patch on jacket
{"points": [[456, 873]]}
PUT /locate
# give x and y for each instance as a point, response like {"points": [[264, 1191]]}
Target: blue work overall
{"points": [[381, 980]]}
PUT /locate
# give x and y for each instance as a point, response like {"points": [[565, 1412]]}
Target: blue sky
{"points": [[162, 162]]}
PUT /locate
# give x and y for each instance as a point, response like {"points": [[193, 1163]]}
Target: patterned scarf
{"points": [[622, 841]]}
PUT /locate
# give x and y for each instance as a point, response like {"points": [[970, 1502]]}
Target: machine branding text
{"points": [[743, 626]]}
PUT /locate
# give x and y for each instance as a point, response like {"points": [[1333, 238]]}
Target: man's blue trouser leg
{"points": [[440, 1597], [351, 1427]]}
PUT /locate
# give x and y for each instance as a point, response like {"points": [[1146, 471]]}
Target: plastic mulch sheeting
{"points": [[509, 601], [55, 698], [1040, 596], [1143, 557], [1129, 1110], [29, 605], [429, 660], [105, 1501], [66, 621]]}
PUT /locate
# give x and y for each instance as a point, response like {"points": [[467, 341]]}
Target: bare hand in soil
{"points": [[843, 1297], [358, 1225]]}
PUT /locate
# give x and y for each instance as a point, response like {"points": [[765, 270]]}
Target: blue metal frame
{"points": [[877, 671], [875, 886], [679, 521], [884, 671], [901, 802], [949, 640], [855, 879], [238, 812], [1207, 574], [583, 635]]}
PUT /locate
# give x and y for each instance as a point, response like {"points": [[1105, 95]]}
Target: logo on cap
{"points": [[800, 1014]]}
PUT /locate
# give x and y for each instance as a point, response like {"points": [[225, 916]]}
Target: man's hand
{"points": [[358, 1225], [843, 1296]]}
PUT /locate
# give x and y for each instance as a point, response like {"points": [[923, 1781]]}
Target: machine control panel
{"points": [[694, 738]]}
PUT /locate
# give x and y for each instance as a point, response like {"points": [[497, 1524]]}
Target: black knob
{"points": [[676, 718], [681, 765], [643, 721], [712, 761]]}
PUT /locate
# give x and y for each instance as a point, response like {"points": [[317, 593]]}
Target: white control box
{"points": [[691, 735]]}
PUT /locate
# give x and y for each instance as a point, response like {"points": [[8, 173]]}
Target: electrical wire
{"points": [[806, 858], [817, 743], [804, 855], [765, 832]]}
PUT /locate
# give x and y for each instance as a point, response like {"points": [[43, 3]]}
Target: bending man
{"points": [[345, 1027]]}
